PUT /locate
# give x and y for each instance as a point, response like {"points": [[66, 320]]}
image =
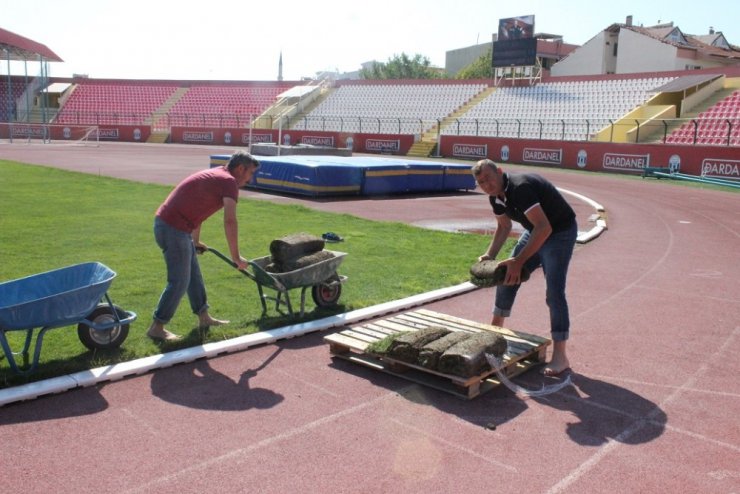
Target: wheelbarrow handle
{"points": [[230, 262]]}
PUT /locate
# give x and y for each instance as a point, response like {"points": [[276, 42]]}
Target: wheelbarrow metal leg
{"points": [[112, 308], [9, 354], [287, 302], [37, 351], [262, 298], [27, 344], [303, 300]]}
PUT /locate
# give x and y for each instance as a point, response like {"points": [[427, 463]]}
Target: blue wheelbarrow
{"points": [[63, 297]]}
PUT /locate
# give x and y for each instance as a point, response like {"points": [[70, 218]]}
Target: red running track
{"points": [[655, 309]]}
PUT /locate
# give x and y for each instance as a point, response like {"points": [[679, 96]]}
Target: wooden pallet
{"points": [[524, 351]]}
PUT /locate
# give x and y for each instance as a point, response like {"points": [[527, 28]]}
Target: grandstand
{"points": [[224, 105], [113, 103], [558, 108], [9, 98], [406, 107], [572, 109], [719, 124], [16, 93], [568, 110], [567, 116], [164, 104]]}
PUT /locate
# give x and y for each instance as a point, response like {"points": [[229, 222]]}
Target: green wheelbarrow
{"points": [[321, 278]]}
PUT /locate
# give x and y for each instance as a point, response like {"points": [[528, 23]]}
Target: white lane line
{"points": [[584, 467], [240, 454], [449, 444], [630, 286], [614, 379], [310, 384]]}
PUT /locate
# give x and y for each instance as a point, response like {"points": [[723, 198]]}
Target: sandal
{"points": [[331, 237]]}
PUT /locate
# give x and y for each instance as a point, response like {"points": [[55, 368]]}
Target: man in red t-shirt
{"points": [[177, 232]]}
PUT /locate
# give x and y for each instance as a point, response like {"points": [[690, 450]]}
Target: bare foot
{"points": [[552, 370], [159, 333], [559, 362], [207, 321]]}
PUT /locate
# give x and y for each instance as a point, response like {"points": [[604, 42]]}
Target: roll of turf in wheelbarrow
{"points": [[302, 262], [468, 357], [492, 273], [295, 245]]}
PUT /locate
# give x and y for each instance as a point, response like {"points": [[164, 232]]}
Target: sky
{"points": [[243, 39]]}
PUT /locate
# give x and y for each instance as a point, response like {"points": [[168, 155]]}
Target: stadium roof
{"points": [[685, 82], [16, 47]]}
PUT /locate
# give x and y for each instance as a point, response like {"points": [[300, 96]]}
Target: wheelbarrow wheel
{"points": [[103, 339], [326, 295]]}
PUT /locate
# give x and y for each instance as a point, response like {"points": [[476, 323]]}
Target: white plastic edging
{"points": [[36, 389], [598, 207], [597, 230], [591, 234], [140, 366]]}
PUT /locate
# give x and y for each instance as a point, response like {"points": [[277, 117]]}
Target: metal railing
{"points": [[676, 131]]}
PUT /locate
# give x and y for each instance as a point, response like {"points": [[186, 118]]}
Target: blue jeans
{"points": [[554, 258], [183, 272]]}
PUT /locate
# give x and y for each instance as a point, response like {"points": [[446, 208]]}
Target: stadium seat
{"points": [[211, 105], [417, 107]]}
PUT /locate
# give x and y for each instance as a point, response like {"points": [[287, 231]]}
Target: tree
{"points": [[402, 67], [480, 69]]}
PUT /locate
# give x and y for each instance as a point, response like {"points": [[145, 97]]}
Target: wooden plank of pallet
{"points": [[366, 334], [510, 334], [523, 352]]}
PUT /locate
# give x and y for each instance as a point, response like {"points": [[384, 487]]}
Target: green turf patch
{"points": [[381, 346]]}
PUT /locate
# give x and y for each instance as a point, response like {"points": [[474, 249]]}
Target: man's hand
{"points": [[200, 247], [484, 257], [513, 271], [241, 263]]}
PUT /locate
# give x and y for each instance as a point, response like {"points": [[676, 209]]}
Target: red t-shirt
{"points": [[198, 197]]}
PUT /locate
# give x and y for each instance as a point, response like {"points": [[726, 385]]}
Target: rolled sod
{"points": [[467, 358], [407, 346], [295, 245], [492, 273]]}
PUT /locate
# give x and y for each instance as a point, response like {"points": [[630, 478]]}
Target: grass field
{"points": [[51, 218]]}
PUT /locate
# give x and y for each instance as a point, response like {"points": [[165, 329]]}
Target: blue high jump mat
{"points": [[355, 175]]}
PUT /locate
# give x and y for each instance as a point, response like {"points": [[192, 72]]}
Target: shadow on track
{"points": [[198, 385]]}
